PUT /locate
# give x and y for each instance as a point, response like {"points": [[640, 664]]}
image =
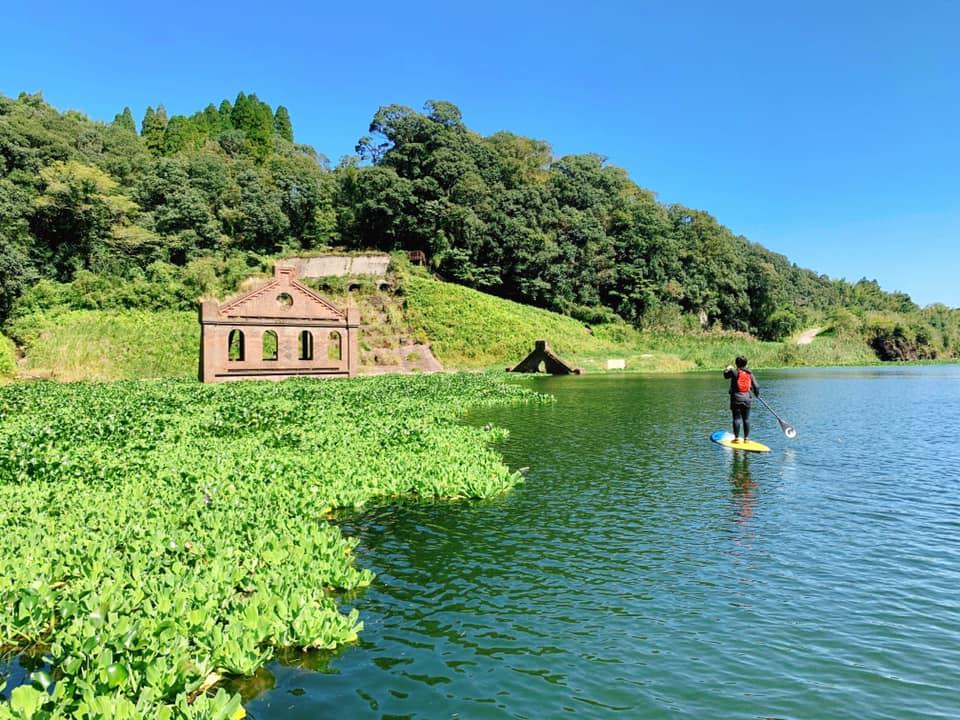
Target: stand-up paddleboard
{"points": [[722, 437]]}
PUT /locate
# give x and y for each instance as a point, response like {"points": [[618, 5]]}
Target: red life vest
{"points": [[743, 381]]}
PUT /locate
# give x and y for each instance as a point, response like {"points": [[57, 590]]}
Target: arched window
{"points": [[306, 345], [235, 346], [269, 345], [335, 347]]}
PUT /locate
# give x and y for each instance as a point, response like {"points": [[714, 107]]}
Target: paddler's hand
{"points": [[728, 369]]}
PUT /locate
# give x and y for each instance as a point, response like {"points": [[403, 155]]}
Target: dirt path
{"points": [[807, 336]]}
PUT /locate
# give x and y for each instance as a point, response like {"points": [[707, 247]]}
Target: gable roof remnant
{"points": [[310, 305], [542, 354]]}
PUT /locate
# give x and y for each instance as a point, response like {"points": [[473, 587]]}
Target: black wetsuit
{"points": [[740, 401]]}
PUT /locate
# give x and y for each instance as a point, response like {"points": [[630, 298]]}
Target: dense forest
{"points": [[189, 205]]}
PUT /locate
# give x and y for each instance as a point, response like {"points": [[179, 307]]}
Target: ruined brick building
{"points": [[282, 329]]}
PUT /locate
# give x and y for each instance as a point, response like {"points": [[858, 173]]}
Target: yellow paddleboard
{"points": [[721, 437]]}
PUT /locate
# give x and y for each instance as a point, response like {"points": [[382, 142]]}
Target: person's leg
{"points": [[735, 410], [745, 414]]}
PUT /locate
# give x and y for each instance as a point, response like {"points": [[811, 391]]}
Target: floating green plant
{"points": [[160, 535]]}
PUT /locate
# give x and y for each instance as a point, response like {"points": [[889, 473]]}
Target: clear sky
{"points": [[826, 131]]}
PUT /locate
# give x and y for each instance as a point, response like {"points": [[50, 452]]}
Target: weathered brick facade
{"points": [[280, 330]]}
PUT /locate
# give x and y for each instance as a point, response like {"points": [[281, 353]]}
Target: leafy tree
{"points": [[281, 123], [79, 214], [32, 135], [176, 136], [153, 129], [233, 143], [780, 323], [713, 269], [125, 120], [306, 196], [121, 154], [17, 273], [444, 113], [844, 323], [520, 161], [179, 210], [255, 119], [646, 257], [373, 207], [225, 111], [263, 226]]}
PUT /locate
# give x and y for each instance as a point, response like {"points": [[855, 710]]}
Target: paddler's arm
{"points": [[728, 372], [754, 386]]}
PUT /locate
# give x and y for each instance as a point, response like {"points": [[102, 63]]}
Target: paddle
{"points": [[788, 429]]}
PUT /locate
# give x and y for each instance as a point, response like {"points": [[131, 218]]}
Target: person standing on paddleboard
{"points": [[742, 383]]}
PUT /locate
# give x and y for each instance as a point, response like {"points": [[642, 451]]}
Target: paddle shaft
{"points": [[768, 407], [785, 426]]}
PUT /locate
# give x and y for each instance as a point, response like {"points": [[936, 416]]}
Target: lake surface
{"points": [[644, 572]]}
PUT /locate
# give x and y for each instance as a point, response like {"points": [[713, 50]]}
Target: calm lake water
{"points": [[644, 572]]}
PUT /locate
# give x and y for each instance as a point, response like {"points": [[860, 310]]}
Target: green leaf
{"points": [[27, 700]]}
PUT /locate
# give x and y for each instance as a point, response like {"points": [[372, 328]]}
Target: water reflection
{"points": [[743, 486], [250, 687], [288, 662], [16, 667]]}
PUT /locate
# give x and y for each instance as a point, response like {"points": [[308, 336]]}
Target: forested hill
{"points": [[186, 201]]}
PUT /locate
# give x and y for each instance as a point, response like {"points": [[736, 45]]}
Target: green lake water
{"points": [[644, 572]]}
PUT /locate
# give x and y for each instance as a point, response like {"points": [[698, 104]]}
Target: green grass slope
{"points": [[110, 344], [467, 329], [711, 351]]}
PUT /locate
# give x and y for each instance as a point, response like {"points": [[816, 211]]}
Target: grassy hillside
{"points": [[466, 328], [470, 329], [110, 344], [709, 351]]}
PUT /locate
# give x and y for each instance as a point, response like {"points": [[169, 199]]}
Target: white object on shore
{"points": [[616, 364]]}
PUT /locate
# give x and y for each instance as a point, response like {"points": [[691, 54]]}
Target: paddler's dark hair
{"points": [[741, 361]]}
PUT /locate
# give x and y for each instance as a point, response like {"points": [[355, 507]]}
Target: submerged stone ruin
{"points": [[543, 356]]}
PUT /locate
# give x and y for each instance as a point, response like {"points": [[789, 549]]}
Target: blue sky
{"points": [[826, 131]]}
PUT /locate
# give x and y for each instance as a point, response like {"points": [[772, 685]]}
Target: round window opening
{"points": [[284, 300]]}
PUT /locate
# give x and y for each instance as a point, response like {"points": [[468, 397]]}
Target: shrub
{"points": [[160, 286], [8, 359], [780, 324], [844, 323], [666, 316]]}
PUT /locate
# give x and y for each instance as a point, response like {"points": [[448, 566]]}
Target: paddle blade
{"points": [[787, 428]]}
